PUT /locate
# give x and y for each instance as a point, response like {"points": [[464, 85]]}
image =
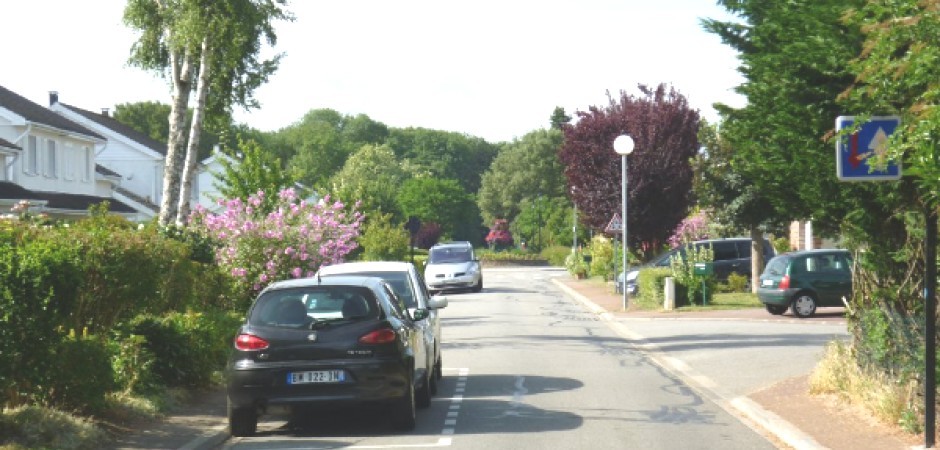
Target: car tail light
{"points": [[383, 336], [784, 282], [250, 342]]}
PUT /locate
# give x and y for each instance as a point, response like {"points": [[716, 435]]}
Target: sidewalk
{"points": [[787, 413]]}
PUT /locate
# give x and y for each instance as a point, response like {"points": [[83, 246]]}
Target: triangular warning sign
{"points": [[615, 225]]}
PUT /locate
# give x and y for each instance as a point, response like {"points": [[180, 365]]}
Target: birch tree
{"points": [[221, 41]]}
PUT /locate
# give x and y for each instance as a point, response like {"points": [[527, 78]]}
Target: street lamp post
{"points": [[623, 145]]}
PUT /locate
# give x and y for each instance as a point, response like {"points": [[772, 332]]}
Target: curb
{"points": [[753, 415], [210, 440]]}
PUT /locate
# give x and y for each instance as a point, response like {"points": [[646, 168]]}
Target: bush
{"points": [[383, 241], [576, 265], [602, 257], [44, 428], [83, 375], [736, 283], [556, 255], [683, 269], [651, 283], [186, 348]]}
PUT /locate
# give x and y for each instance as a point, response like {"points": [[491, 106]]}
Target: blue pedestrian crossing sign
{"points": [[858, 155]]}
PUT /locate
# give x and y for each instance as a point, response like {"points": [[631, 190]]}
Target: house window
{"points": [[31, 165], [3, 167], [50, 158]]}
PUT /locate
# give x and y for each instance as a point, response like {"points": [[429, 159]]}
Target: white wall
{"points": [[63, 163]]}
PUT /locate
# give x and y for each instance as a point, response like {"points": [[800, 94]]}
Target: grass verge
{"points": [[888, 400]]}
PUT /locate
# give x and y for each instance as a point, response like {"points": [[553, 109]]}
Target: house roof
{"points": [[106, 171], [35, 113], [120, 128], [8, 144], [57, 200]]}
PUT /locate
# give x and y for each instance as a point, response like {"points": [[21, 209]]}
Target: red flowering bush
{"points": [[499, 237]]}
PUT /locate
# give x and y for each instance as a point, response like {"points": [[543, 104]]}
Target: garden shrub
{"points": [[602, 257], [383, 241], [293, 241], [132, 363], [40, 277], [736, 283], [651, 283], [576, 265], [683, 269], [556, 255], [84, 375], [187, 348]]}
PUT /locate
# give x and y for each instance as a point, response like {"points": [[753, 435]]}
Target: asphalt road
{"points": [[528, 367]]}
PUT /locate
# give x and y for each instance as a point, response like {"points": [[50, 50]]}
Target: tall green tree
{"points": [[249, 171], [444, 154], [373, 176], [442, 201], [318, 144], [201, 47], [523, 170], [794, 59], [664, 127]]}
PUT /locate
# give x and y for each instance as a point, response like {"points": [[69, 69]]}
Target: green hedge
{"points": [[88, 279], [651, 283]]}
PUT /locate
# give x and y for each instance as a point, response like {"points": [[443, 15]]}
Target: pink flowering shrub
{"points": [[293, 241], [692, 228]]}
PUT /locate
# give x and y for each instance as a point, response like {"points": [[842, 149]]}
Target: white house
{"points": [[50, 161], [138, 158]]}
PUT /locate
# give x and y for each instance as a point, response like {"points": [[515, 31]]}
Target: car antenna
{"points": [[319, 278]]}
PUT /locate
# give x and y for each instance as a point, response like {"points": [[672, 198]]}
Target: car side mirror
{"points": [[420, 314], [437, 302]]}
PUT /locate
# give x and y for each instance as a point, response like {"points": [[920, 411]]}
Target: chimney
{"points": [[104, 112], [53, 97]]}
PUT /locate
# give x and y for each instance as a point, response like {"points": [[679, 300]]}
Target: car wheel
{"points": [[403, 414], [479, 286], [776, 309], [432, 378], [804, 305], [423, 394], [242, 421]]}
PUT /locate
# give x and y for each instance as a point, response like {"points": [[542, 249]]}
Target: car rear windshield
{"points": [[449, 255], [777, 266], [302, 307]]}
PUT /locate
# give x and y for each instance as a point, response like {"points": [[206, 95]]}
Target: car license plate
{"points": [[316, 376], [767, 283]]}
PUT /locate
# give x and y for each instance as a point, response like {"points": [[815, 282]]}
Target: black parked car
{"points": [[325, 342]]}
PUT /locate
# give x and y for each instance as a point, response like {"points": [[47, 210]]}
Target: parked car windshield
{"points": [[777, 266], [449, 255], [400, 283]]}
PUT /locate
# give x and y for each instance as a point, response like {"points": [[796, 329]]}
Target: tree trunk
{"points": [[182, 84], [757, 258], [195, 132]]}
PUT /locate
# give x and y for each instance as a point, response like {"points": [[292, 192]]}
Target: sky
{"points": [[494, 69]]}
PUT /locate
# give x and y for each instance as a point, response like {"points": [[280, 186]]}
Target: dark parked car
{"points": [[731, 255], [325, 342], [806, 280]]}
